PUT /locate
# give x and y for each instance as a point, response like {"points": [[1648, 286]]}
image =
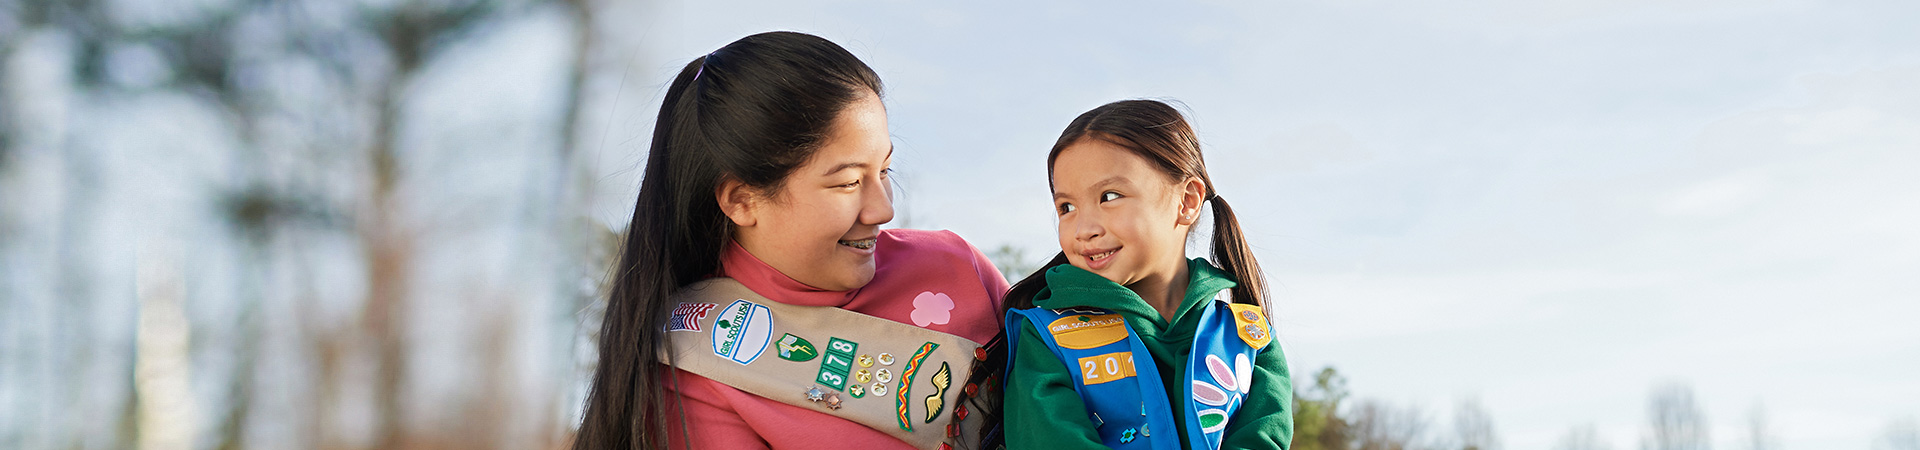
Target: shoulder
{"points": [[931, 251], [926, 240]]}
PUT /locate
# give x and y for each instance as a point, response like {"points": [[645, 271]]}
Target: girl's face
{"points": [[820, 227], [1121, 217]]}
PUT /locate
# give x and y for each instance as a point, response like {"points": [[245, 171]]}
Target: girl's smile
{"points": [[1110, 199]]}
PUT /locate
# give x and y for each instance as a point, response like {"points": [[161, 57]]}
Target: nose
{"points": [[876, 202], [1087, 226]]}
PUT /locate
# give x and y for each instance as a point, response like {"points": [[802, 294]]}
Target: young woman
{"points": [[769, 167], [1122, 341]]}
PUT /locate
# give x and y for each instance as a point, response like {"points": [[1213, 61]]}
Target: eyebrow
{"points": [[1113, 180], [855, 165]]}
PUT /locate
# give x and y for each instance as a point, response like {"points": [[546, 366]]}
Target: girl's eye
{"points": [[854, 184], [1065, 208], [1109, 196], [886, 173]]}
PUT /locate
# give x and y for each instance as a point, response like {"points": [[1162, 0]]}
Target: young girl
{"points": [[1122, 341]]}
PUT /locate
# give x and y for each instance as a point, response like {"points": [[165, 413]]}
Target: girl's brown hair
{"points": [[1160, 134]]}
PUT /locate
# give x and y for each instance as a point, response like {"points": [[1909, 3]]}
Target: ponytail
{"points": [[1231, 253]]}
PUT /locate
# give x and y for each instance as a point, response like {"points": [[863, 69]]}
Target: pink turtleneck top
{"points": [[907, 263]]}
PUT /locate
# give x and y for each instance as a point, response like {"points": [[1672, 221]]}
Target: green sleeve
{"points": [[1041, 409], [1265, 420]]}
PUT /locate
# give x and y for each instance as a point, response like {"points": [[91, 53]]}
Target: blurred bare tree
{"points": [[1473, 426], [1900, 434], [1378, 425], [1674, 422], [1013, 262], [310, 100], [1759, 433], [1584, 437]]}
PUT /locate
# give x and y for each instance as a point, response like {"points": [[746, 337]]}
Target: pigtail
{"points": [[1231, 253]]}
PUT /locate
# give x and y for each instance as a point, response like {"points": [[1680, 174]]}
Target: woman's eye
{"points": [[886, 173], [1109, 196], [1066, 208], [854, 184]]}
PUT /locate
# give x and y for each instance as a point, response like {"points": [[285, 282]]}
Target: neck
{"points": [[1165, 291]]}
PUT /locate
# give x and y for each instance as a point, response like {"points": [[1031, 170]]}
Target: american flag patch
{"points": [[686, 316]]}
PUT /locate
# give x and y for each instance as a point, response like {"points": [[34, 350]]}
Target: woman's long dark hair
{"points": [[751, 111], [1157, 132]]}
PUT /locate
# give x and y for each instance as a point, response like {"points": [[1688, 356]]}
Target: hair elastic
{"points": [[703, 65]]}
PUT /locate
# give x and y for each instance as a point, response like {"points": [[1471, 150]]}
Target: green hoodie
{"points": [[1042, 411]]}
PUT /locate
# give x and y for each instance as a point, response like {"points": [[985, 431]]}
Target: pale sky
{"points": [[1551, 206]]}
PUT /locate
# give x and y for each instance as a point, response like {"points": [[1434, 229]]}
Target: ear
{"points": [[736, 201], [1193, 193]]}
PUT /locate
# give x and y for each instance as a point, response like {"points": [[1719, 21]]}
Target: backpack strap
{"points": [[890, 376]]}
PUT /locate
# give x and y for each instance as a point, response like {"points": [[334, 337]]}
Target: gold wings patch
{"points": [[936, 402]]}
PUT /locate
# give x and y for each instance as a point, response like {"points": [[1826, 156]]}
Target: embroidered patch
{"points": [[795, 348], [1081, 332], [935, 403], [837, 363], [1251, 323], [931, 308], [742, 332], [1212, 420], [906, 383], [686, 316], [1098, 369]]}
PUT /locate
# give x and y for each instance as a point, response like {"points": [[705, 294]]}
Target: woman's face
{"points": [[1119, 216], [820, 227]]}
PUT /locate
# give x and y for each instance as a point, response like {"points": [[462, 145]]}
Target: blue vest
{"points": [[1121, 385]]}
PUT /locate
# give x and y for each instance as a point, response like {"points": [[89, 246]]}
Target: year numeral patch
{"points": [[1098, 369]]}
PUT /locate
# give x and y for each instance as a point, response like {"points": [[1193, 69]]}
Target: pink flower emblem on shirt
{"points": [[932, 308]]}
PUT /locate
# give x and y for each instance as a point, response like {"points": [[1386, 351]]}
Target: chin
{"points": [[855, 277]]}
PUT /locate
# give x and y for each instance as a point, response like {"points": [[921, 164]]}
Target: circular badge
{"points": [[886, 359], [857, 390], [864, 361], [879, 390], [883, 376], [862, 376]]}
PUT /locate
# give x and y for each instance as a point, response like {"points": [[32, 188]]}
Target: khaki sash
{"points": [[894, 377]]}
